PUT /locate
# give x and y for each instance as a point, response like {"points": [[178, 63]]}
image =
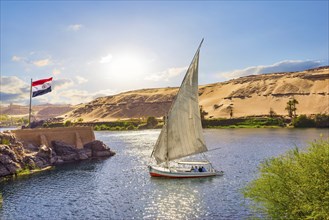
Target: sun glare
{"points": [[128, 64]]}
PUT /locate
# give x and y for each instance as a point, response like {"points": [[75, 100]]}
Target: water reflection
{"points": [[175, 199]]}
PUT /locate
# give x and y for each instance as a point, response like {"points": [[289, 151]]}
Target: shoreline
{"points": [[29, 151]]}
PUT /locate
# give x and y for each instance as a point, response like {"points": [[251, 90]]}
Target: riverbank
{"points": [[21, 158], [301, 121], [314, 121]]}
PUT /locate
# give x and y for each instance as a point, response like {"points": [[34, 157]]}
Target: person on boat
{"points": [[204, 169], [195, 169], [200, 169]]}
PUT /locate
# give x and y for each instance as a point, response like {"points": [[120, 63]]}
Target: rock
{"points": [[44, 152], [41, 162], [105, 153], [31, 147], [88, 152], [3, 170], [66, 152], [15, 156], [6, 150], [28, 161], [96, 146], [53, 160], [70, 157], [5, 159], [12, 167], [35, 124], [59, 161], [9, 161], [63, 149], [99, 149], [8, 137], [85, 154], [18, 147]]}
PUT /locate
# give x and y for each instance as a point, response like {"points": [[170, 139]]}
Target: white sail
{"points": [[182, 134]]}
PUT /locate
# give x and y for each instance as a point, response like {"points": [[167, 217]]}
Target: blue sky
{"points": [[98, 48]]}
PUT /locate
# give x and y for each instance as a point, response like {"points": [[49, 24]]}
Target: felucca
{"points": [[181, 135]]}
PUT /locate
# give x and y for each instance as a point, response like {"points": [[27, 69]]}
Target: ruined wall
{"points": [[77, 136]]}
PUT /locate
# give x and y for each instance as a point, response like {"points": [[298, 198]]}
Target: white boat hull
{"points": [[156, 171]]}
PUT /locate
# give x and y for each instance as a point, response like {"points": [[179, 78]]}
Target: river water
{"points": [[120, 187]]}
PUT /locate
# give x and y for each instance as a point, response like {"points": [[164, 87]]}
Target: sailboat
{"points": [[181, 136]]}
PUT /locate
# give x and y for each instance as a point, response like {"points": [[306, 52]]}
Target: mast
{"points": [[30, 108], [167, 157]]}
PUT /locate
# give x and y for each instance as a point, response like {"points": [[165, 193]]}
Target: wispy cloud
{"points": [[282, 66], [42, 63], [81, 80], [62, 83], [56, 71], [37, 60], [166, 75], [13, 90], [74, 27], [17, 58], [103, 93], [106, 59], [77, 96]]}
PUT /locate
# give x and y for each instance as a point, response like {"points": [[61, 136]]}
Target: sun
{"points": [[128, 64]]}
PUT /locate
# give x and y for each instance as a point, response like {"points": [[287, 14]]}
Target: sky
{"points": [[101, 48]]}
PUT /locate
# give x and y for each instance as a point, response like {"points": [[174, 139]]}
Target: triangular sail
{"points": [[182, 134]]}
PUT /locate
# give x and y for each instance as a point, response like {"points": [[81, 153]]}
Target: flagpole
{"points": [[30, 109]]}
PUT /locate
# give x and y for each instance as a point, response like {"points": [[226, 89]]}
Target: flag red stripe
{"points": [[41, 81]]}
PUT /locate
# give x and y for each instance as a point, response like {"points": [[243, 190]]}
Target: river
{"points": [[120, 187]]}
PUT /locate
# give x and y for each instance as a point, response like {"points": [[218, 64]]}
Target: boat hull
{"points": [[171, 173]]}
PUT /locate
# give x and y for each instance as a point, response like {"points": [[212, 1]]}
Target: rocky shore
{"points": [[15, 157]]}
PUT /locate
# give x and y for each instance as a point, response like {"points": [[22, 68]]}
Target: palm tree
{"points": [[291, 107], [230, 109], [294, 103]]}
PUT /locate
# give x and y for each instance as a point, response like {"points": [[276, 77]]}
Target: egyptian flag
{"points": [[41, 87]]}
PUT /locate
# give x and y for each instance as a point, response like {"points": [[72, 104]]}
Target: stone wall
{"points": [[76, 136], [35, 149]]}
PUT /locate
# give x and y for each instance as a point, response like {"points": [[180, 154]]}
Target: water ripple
{"points": [[121, 188]]}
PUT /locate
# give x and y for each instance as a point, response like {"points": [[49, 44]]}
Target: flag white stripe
{"points": [[41, 87]]}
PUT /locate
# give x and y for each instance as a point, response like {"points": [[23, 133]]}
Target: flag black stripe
{"points": [[41, 92]]}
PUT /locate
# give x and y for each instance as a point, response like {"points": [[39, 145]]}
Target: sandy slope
{"points": [[40, 112], [251, 95]]}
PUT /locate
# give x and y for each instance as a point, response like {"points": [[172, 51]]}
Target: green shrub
{"points": [[23, 172], [303, 121], [151, 122], [5, 141], [142, 126], [293, 186], [117, 128], [104, 127], [67, 123], [131, 127], [322, 121], [97, 128]]}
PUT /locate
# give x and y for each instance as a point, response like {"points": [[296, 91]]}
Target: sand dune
{"points": [[249, 96]]}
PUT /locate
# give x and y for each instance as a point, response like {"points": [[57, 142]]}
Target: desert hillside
{"points": [[39, 112], [248, 96]]}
